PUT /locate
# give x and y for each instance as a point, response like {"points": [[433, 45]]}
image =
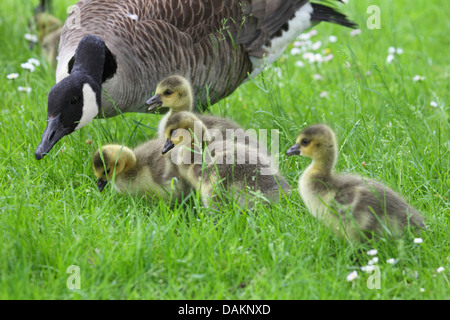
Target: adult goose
{"points": [[113, 53]]}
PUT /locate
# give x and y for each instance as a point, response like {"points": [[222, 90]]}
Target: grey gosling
{"points": [[142, 171], [212, 165], [353, 206]]}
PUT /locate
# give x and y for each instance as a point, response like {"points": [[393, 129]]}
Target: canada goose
{"points": [[209, 164], [347, 203], [175, 93], [113, 53], [141, 171]]}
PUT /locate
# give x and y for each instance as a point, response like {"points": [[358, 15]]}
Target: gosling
{"points": [[354, 207], [142, 171], [175, 93], [49, 31], [210, 165]]}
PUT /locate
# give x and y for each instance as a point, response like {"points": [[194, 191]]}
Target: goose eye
{"points": [[305, 142], [167, 93], [74, 100], [172, 132]]}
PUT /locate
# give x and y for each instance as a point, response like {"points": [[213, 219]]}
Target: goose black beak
{"points": [[101, 184], [294, 150], [154, 102], [52, 134], [167, 147]]}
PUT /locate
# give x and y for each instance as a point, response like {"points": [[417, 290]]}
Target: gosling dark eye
{"points": [[75, 100], [305, 142], [172, 131], [167, 93]]}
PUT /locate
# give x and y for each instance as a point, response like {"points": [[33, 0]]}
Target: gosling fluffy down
{"points": [[353, 206], [212, 164], [141, 171], [175, 93]]}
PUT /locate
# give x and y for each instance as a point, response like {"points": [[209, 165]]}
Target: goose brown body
{"points": [[212, 165], [351, 205]]}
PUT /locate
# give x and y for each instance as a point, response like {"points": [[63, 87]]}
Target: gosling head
{"points": [[317, 142], [184, 129], [112, 160], [174, 92]]}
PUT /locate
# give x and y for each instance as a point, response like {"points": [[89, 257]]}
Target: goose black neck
{"points": [[90, 57]]}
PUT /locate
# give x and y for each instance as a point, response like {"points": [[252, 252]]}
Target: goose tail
{"points": [[328, 14]]}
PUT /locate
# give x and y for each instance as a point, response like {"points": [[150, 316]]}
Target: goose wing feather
{"points": [[208, 41]]}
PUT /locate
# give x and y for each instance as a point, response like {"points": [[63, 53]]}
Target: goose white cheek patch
{"points": [[90, 106]]}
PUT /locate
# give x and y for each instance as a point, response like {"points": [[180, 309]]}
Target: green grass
{"points": [[52, 216]]}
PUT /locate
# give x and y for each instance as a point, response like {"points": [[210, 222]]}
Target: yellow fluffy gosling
{"points": [[175, 93], [142, 171], [353, 206]]}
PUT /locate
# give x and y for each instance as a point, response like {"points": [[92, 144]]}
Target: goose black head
{"points": [[72, 103], [76, 100]]}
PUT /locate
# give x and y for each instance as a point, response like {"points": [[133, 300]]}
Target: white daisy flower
{"points": [[373, 261], [328, 57], [418, 240], [34, 62], [390, 58], [296, 51], [332, 39], [304, 36], [24, 89], [352, 276], [28, 66], [317, 77], [434, 104], [318, 58], [31, 37], [390, 261], [399, 51], [12, 76], [316, 46], [418, 78], [422, 289], [355, 32], [300, 64], [372, 252], [323, 94], [313, 33], [368, 269], [391, 50], [440, 269]]}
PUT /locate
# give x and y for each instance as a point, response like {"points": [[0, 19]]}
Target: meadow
{"points": [[385, 92]]}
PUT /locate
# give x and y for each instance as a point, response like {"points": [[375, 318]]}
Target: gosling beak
{"points": [[294, 150], [52, 134], [101, 184], [154, 102], [167, 147]]}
